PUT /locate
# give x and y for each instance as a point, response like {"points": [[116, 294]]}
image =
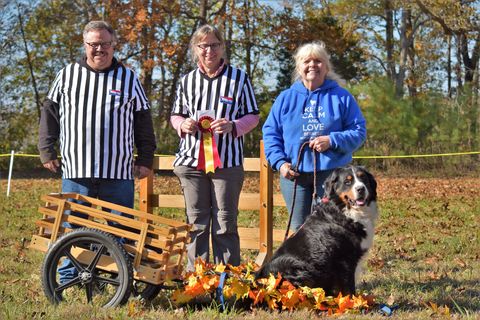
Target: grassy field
{"points": [[425, 260]]}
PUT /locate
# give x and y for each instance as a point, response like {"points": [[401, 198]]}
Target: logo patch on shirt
{"points": [[226, 100], [114, 92]]}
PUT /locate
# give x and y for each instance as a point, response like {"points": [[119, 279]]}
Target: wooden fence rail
{"points": [[260, 238]]}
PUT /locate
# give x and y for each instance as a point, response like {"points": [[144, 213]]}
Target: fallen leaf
{"points": [[460, 262], [220, 268], [391, 300]]}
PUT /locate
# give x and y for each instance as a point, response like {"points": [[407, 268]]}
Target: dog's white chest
{"points": [[366, 216]]}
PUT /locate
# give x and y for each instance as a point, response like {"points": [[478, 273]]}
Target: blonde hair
{"points": [[316, 50], [199, 34]]}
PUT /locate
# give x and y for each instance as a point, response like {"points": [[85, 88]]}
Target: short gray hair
{"points": [[200, 33], [100, 25], [316, 50]]}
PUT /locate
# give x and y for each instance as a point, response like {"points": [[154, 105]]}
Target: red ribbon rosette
{"points": [[208, 159]]}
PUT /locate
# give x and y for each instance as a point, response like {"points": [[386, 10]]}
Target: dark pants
{"points": [[304, 195], [211, 202]]}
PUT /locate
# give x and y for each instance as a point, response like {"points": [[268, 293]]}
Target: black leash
{"points": [[314, 196]]}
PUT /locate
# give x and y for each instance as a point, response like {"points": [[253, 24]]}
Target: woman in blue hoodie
{"points": [[317, 110]]}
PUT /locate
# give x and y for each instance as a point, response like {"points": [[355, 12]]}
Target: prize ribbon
{"points": [[208, 159]]}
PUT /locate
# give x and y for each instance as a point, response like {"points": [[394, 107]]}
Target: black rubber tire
{"points": [[91, 284], [145, 290]]}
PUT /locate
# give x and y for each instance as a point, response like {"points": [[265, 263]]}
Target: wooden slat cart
{"points": [[112, 255]]}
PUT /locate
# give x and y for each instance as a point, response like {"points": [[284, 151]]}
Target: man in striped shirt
{"points": [[98, 111]]}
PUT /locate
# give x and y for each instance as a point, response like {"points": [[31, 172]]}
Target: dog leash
{"points": [[295, 182]]}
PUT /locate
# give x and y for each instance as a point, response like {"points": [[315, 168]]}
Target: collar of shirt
{"points": [[217, 72], [83, 63]]}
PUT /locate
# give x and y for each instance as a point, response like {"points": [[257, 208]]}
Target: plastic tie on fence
{"points": [[220, 297], [387, 310]]}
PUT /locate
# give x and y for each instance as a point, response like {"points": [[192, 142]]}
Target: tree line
{"points": [[412, 65]]}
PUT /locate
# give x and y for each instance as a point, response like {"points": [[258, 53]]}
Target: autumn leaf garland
{"points": [[271, 292]]}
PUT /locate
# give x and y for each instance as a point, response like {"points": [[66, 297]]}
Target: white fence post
{"points": [[10, 172]]}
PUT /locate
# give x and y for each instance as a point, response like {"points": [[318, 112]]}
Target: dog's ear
{"points": [[373, 184], [329, 184]]}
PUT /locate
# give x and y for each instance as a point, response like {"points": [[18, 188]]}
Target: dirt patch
{"points": [[418, 188], [388, 187]]}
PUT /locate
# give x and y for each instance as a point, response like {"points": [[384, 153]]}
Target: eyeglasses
{"points": [[104, 45], [212, 46]]}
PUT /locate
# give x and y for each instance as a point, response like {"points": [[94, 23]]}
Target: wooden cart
{"points": [[105, 257]]}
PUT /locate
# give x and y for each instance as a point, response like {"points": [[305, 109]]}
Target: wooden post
{"points": [[146, 190], [266, 209], [58, 220]]}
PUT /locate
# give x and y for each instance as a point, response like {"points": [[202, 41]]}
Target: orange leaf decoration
{"points": [[360, 302], [220, 268], [257, 296], [200, 267], [210, 282], [236, 270], [318, 294], [271, 302], [272, 282], [286, 286], [344, 303], [274, 291], [237, 288], [290, 299], [180, 297], [194, 287]]}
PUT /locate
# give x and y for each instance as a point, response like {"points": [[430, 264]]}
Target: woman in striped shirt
{"points": [[211, 169]]}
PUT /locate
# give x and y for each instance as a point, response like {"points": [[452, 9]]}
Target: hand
{"points": [[320, 144], [287, 172], [141, 172], [189, 126], [222, 126], [52, 165]]}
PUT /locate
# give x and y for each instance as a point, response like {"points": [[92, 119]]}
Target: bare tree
{"points": [[29, 60]]}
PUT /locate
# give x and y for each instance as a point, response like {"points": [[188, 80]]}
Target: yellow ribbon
{"points": [[207, 146], [208, 149]]}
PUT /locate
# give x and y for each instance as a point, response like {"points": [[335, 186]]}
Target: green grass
{"points": [[426, 251]]}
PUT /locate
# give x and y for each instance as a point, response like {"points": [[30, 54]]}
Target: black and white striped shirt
{"points": [[231, 95], [96, 120]]}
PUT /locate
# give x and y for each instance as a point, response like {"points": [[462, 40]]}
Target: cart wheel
{"points": [[145, 290], [88, 282]]}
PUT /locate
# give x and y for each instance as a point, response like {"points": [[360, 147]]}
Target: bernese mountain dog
{"points": [[327, 250]]}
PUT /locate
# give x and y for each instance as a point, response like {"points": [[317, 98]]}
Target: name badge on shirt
{"points": [[115, 92], [226, 100]]}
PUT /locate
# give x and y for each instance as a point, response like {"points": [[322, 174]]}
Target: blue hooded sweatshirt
{"points": [[299, 115]]}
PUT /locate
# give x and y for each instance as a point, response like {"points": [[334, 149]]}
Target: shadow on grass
{"points": [[461, 296]]}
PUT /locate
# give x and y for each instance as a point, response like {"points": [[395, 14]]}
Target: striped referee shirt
{"points": [[96, 113], [230, 95]]}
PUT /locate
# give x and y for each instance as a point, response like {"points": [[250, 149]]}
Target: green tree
{"points": [[312, 22]]}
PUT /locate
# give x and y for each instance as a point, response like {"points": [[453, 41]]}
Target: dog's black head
{"points": [[351, 187]]}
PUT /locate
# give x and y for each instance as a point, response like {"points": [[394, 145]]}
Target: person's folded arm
{"points": [[354, 133], [245, 124], [273, 137], [176, 122], [49, 130], [144, 138]]}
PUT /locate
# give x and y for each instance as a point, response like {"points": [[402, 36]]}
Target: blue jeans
{"points": [[116, 191], [304, 195]]}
